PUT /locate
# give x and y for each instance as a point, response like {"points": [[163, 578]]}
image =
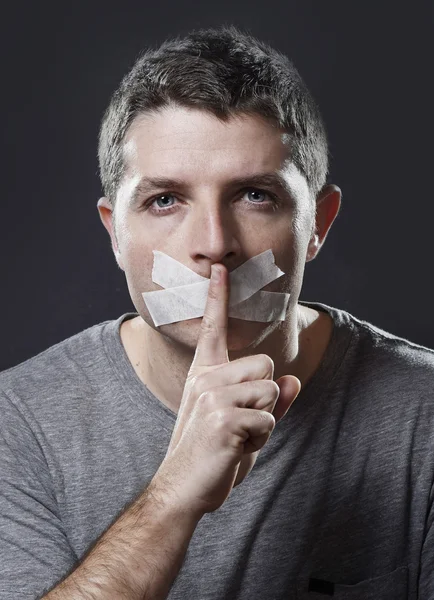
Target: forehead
{"points": [[196, 146]]}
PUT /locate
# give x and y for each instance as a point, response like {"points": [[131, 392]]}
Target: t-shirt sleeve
{"points": [[34, 549]]}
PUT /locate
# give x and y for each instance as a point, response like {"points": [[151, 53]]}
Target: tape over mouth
{"points": [[185, 292]]}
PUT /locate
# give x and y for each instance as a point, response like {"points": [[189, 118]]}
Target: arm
{"points": [[34, 548], [138, 557]]}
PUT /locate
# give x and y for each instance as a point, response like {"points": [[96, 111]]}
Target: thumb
{"points": [[290, 387]]}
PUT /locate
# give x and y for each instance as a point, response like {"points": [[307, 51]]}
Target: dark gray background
{"points": [[370, 67]]}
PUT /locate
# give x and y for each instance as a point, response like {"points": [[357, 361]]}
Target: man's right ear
{"points": [[106, 213]]}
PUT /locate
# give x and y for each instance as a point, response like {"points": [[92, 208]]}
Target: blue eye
{"points": [[164, 198], [256, 196]]}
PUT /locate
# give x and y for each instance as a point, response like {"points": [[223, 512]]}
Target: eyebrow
{"points": [[148, 184]]}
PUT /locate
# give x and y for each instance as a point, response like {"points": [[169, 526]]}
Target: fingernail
{"points": [[215, 273]]}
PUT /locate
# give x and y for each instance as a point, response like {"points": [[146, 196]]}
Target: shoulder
{"points": [[65, 369], [385, 349], [390, 368], [374, 356]]}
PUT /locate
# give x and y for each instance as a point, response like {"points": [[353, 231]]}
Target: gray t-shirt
{"points": [[338, 504]]}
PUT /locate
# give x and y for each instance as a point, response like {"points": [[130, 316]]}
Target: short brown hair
{"points": [[224, 72]]}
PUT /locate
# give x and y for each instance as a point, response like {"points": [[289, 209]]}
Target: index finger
{"points": [[212, 346]]}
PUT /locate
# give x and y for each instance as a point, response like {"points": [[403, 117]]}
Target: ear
{"points": [[106, 213], [328, 203]]}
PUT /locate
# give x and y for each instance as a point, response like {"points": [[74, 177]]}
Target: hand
{"points": [[227, 413]]}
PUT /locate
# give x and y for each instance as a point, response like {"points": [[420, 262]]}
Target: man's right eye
{"points": [[164, 198], [161, 204]]}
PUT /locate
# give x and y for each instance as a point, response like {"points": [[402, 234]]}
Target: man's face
{"points": [[205, 191]]}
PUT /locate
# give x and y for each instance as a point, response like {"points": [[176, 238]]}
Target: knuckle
{"points": [[210, 400], [209, 327], [222, 420], [213, 293], [206, 398], [265, 418], [267, 362], [199, 383], [276, 389]]}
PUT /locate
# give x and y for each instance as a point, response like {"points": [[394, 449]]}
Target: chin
{"points": [[246, 334], [241, 334]]}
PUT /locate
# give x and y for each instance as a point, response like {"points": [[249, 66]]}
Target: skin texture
{"points": [[206, 218]]}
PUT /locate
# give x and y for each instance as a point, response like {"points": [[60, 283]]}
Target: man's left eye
{"points": [[256, 196]]}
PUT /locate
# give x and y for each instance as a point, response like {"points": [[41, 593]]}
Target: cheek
{"points": [[290, 249], [134, 246], [256, 235], [137, 260]]}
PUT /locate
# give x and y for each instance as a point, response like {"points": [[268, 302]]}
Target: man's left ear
{"points": [[328, 203]]}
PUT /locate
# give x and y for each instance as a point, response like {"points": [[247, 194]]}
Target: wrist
{"points": [[169, 504]]}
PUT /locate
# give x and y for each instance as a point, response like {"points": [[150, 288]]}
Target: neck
{"points": [[296, 348]]}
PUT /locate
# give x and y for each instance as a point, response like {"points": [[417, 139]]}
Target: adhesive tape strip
{"points": [[186, 291], [245, 280]]}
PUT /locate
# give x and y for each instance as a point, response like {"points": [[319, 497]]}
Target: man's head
{"points": [[212, 150]]}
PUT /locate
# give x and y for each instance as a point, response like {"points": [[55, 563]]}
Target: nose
{"points": [[212, 233]]}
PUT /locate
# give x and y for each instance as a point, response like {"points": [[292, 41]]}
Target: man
{"points": [[161, 461]]}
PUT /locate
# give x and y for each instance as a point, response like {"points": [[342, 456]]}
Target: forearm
{"points": [[138, 558]]}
